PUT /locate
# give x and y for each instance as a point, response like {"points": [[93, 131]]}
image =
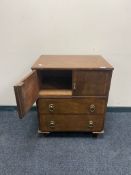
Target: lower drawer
{"points": [[91, 123]]}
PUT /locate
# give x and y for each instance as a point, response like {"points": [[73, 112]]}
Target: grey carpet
{"points": [[23, 152]]}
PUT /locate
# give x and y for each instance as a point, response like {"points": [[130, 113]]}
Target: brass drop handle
{"points": [[51, 107], [90, 124], [52, 124], [92, 108]]}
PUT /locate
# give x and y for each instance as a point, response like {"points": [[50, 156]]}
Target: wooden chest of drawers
{"points": [[71, 92]]}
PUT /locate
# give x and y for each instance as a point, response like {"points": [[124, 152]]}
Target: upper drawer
{"points": [[89, 105]]}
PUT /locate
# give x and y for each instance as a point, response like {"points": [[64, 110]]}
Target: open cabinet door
{"points": [[26, 93]]}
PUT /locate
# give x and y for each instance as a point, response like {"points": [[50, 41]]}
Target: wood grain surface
{"points": [[71, 62], [71, 123], [26, 92], [72, 105]]}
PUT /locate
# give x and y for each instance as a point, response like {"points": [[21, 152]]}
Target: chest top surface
{"points": [[71, 62]]}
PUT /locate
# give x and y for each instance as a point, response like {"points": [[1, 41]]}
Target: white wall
{"points": [[29, 28]]}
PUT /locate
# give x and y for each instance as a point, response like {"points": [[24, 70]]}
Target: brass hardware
{"points": [[52, 124], [90, 124], [92, 108], [74, 85], [51, 107]]}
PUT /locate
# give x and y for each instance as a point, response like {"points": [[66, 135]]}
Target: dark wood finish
{"points": [[26, 92], [70, 122], [72, 105], [71, 92], [90, 83], [71, 62]]}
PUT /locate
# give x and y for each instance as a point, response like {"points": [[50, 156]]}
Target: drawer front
{"points": [[91, 123], [72, 106]]}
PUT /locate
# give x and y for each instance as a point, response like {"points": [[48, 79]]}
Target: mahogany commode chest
{"points": [[71, 92]]}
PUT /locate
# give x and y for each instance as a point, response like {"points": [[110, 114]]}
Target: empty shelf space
{"points": [[55, 92], [55, 79]]}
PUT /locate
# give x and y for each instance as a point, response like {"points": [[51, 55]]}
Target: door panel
{"points": [[26, 93], [90, 82]]}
